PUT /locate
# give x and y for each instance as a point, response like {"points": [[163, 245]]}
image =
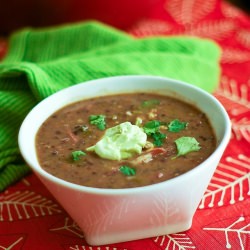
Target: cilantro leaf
{"points": [[76, 155], [186, 145], [151, 127], [176, 126], [158, 138], [98, 120], [150, 103], [128, 171]]}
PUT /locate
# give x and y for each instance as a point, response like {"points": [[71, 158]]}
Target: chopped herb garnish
{"points": [[128, 171], [176, 126], [76, 155], [186, 145], [158, 138], [151, 128], [150, 103], [98, 120]]}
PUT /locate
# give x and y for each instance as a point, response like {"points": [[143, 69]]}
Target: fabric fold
{"points": [[43, 61]]}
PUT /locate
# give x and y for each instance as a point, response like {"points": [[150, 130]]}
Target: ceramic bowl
{"points": [[116, 215]]}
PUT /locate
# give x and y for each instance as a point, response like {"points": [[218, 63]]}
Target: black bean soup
{"points": [[178, 138]]}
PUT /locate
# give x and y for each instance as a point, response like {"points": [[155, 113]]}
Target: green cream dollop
{"points": [[120, 142]]}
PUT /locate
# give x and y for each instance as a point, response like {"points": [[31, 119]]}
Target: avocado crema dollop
{"points": [[120, 142]]}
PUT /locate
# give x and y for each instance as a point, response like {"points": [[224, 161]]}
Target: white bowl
{"points": [[116, 215]]}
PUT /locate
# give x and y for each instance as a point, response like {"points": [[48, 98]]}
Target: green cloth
{"points": [[42, 61]]}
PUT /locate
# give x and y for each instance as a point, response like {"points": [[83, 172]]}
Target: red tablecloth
{"points": [[30, 218]]}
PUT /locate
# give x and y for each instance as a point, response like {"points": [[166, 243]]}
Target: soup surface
{"points": [[178, 138]]}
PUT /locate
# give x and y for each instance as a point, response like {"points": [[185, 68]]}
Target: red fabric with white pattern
{"points": [[31, 219]]}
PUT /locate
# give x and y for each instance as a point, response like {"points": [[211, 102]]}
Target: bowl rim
{"points": [[39, 171]]}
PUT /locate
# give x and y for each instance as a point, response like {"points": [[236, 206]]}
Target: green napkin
{"points": [[42, 61]]}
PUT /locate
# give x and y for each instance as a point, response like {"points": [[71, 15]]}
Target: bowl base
{"points": [[118, 237]]}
